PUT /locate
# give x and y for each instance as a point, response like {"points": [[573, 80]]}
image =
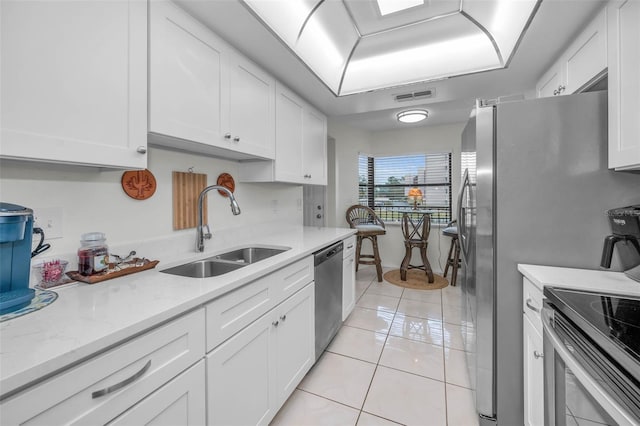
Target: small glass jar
{"points": [[93, 254]]}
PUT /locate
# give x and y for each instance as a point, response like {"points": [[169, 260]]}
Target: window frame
{"points": [[367, 189]]}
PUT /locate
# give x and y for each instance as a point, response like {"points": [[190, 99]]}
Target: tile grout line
{"points": [[378, 362]]}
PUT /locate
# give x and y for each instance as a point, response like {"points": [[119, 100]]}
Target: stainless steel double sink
{"points": [[224, 263]]}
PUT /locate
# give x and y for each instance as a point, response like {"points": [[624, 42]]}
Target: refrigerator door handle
{"points": [[462, 225]]}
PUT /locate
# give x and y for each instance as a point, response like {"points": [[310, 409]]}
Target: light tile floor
{"points": [[398, 359]]}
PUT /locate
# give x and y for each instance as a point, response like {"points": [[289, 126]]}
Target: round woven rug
{"points": [[416, 279]]}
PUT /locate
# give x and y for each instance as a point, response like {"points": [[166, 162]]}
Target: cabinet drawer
{"points": [[103, 387], [532, 303], [232, 312], [292, 278], [349, 247]]}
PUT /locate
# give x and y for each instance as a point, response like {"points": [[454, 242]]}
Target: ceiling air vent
{"points": [[422, 94]]}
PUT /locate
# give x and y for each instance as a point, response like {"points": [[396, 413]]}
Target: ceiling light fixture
{"points": [[352, 48], [412, 115]]}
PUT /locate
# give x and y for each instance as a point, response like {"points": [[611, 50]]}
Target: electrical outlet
{"points": [[299, 204], [274, 206], [50, 220]]}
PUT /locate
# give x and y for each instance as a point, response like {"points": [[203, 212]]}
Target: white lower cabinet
{"points": [[533, 375], [179, 402], [252, 374], [348, 277], [533, 356], [104, 387]]}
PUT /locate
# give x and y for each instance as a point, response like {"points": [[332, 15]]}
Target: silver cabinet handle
{"points": [[275, 323], [142, 149], [350, 246], [236, 139], [227, 135], [283, 317], [125, 382], [530, 306], [537, 355]]}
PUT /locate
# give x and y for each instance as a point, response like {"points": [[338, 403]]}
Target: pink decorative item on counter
{"points": [[51, 273]]}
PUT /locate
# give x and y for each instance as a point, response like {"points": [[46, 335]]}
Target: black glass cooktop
{"points": [[611, 321]]}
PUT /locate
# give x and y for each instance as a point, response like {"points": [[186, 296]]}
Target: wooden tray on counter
{"points": [[104, 276]]}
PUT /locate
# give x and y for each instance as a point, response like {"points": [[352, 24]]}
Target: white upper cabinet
{"points": [[624, 85], [584, 62], [314, 147], [290, 113], [251, 120], [204, 97], [74, 82], [301, 145], [186, 77]]}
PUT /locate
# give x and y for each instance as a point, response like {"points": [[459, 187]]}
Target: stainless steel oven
{"points": [[592, 358]]}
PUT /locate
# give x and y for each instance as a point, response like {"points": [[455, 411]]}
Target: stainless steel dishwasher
{"points": [[328, 294]]}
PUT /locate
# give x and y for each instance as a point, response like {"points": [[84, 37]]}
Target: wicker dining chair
{"points": [[369, 226], [416, 235]]}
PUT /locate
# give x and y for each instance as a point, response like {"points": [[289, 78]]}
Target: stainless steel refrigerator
{"points": [[535, 190]]}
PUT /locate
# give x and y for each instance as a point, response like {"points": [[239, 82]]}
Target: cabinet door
{"points": [[240, 377], [251, 108], [314, 148], [289, 136], [586, 58], [179, 402], [186, 77], [74, 78], [533, 376], [348, 285], [295, 341], [551, 83], [624, 84]]}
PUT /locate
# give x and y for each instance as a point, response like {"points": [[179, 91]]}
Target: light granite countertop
{"points": [[580, 279], [88, 319]]}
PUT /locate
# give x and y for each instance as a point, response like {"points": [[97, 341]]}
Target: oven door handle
{"points": [[605, 400]]}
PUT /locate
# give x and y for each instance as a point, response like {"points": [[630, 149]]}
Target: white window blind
{"points": [[385, 183]]}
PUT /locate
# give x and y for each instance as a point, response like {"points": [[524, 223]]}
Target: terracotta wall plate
{"points": [[139, 184], [226, 180]]}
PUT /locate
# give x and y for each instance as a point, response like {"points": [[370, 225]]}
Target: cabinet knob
{"points": [[537, 355], [283, 317], [236, 139], [142, 149], [227, 135], [561, 89], [275, 323]]}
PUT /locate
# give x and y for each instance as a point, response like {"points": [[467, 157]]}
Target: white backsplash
{"points": [[93, 200]]}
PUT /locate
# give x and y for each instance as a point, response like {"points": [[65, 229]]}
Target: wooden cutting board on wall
{"points": [[186, 189]]}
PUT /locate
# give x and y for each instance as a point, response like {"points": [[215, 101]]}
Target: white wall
{"points": [[93, 200], [350, 142]]}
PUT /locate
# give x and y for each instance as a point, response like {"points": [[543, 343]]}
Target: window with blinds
{"points": [[385, 183]]}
